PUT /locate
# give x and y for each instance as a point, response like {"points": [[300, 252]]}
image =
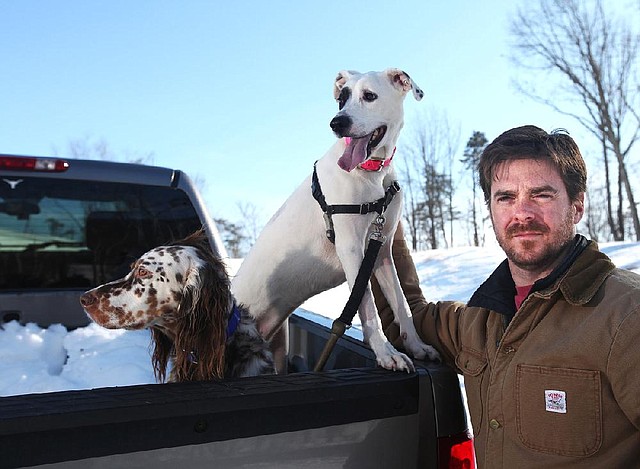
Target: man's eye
{"points": [[369, 96]]}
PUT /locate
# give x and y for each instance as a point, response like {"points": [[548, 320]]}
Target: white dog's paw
{"points": [[390, 359], [418, 349], [425, 352]]}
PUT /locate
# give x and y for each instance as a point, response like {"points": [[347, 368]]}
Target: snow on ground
{"points": [[35, 360]]}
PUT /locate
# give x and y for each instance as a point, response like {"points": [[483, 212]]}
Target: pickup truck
{"points": [[69, 225]]}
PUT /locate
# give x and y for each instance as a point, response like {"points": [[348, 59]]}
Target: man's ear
{"points": [[578, 206]]}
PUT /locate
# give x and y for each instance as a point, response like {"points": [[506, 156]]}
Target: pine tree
{"points": [[472, 152]]}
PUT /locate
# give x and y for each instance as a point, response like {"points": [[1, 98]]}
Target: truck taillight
{"points": [[18, 163], [456, 452]]}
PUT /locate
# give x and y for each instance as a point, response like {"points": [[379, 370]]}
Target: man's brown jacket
{"points": [[558, 384]]}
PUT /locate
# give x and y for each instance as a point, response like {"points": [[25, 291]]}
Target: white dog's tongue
{"points": [[355, 152]]}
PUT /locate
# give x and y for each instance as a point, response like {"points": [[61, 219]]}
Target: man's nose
{"points": [[524, 209]]}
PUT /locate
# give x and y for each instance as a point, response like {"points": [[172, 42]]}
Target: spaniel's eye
{"points": [[142, 272]]}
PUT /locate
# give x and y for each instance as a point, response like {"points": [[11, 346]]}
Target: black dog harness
{"points": [[378, 206], [376, 239]]}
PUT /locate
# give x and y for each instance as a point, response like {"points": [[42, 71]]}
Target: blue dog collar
{"points": [[234, 321]]}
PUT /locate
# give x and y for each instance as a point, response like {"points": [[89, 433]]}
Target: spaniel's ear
{"points": [[162, 348], [200, 340]]}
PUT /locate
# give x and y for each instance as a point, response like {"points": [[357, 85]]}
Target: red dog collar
{"points": [[376, 165]]}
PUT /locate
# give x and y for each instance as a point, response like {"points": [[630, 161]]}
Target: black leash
{"points": [[341, 324], [376, 240]]}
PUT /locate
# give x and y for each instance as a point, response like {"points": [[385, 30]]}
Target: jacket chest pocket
{"points": [[559, 410]]}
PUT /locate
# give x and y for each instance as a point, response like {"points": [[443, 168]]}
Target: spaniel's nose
{"points": [[87, 299]]}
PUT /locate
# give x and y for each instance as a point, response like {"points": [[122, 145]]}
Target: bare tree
{"points": [[233, 237], [595, 221], [98, 149], [410, 189], [250, 222], [428, 164], [85, 148], [592, 60]]}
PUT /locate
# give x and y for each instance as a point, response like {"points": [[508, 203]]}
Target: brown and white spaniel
{"points": [[181, 292]]}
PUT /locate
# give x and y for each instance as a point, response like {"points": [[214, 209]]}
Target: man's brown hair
{"points": [[531, 142]]}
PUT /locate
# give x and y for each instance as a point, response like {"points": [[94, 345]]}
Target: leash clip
{"points": [[377, 236], [378, 224]]}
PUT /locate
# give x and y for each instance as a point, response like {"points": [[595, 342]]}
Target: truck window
{"points": [[57, 233]]}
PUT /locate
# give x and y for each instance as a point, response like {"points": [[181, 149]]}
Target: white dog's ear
{"points": [[402, 81], [341, 79]]}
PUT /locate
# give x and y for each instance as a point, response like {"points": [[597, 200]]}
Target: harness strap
{"points": [[378, 206]]}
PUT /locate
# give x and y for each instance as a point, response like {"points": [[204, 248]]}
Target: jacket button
{"points": [[494, 424]]}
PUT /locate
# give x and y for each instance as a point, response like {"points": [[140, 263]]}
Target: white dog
{"points": [[293, 259]]}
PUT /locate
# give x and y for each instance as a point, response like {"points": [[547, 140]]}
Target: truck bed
{"points": [[339, 418]]}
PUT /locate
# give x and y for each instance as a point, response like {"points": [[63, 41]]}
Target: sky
{"points": [[239, 94], [35, 360]]}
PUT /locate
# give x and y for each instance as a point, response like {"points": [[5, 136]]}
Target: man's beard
{"points": [[522, 253]]}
